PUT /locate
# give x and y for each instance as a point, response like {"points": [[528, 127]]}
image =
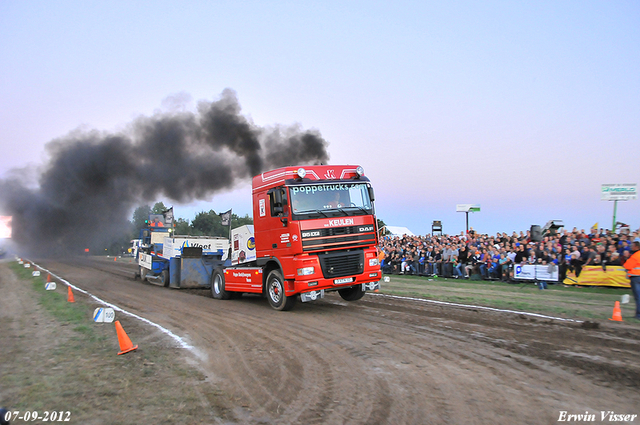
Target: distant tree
{"points": [[210, 224], [382, 228], [140, 215], [237, 221], [183, 227], [158, 208], [207, 224]]}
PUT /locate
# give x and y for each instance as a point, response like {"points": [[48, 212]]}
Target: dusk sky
{"points": [[525, 108]]}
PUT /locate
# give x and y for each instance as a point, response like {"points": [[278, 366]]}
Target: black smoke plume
{"points": [[93, 179]]}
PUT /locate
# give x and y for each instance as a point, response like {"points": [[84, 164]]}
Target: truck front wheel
{"points": [[217, 285], [275, 292], [351, 294]]}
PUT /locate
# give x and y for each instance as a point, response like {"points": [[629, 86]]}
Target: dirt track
{"points": [[384, 360]]}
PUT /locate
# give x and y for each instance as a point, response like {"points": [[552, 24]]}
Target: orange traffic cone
{"points": [[125, 343], [115, 258], [48, 277], [70, 295], [617, 314]]}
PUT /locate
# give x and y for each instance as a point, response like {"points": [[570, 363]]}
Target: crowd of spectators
{"points": [[477, 256]]}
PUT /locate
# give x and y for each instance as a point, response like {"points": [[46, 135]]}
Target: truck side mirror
{"points": [[372, 196], [277, 195]]}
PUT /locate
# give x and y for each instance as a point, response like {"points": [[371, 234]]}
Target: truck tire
{"points": [[353, 293], [143, 274], [164, 278], [275, 292], [217, 285]]}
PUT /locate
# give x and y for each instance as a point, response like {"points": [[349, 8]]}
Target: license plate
{"points": [[345, 280]]}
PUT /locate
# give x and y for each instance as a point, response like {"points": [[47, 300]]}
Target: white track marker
{"points": [[478, 307], [182, 343]]}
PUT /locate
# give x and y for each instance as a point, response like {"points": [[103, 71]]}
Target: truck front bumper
{"points": [[319, 293], [313, 289]]}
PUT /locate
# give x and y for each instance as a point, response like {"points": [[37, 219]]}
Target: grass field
{"points": [[585, 303]]}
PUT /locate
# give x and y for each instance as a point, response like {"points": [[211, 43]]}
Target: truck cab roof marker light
{"points": [[359, 172], [301, 172]]}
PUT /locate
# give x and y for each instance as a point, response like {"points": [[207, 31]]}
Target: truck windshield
{"points": [[331, 198]]}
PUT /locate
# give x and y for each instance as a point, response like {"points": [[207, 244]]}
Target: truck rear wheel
{"points": [[143, 274], [275, 292], [353, 293], [217, 285], [164, 278]]}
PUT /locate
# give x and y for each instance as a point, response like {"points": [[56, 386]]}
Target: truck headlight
{"points": [[306, 271], [373, 262]]}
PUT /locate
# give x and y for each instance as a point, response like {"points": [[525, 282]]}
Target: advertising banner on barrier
{"points": [[524, 272], [545, 272], [596, 276]]}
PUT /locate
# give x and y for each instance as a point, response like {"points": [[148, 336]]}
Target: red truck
{"points": [[314, 231]]}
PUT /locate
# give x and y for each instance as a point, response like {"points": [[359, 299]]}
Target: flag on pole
{"points": [[168, 216], [226, 218]]}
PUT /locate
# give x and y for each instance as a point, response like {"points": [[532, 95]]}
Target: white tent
{"points": [[399, 231]]}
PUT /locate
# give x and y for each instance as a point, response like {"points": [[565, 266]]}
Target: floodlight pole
{"points": [[615, 208], [467, 214]]}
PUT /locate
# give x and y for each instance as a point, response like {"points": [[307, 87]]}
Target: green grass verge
{"points": [[57, 305], [65, 362]]}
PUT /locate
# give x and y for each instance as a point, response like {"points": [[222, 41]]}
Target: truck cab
{"points": [[315, 231]]}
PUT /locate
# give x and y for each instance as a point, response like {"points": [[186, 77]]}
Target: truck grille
{"points": [[338, 237], [342, 263]]}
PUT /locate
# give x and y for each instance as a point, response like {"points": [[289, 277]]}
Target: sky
{"points": [[525, 108]]}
